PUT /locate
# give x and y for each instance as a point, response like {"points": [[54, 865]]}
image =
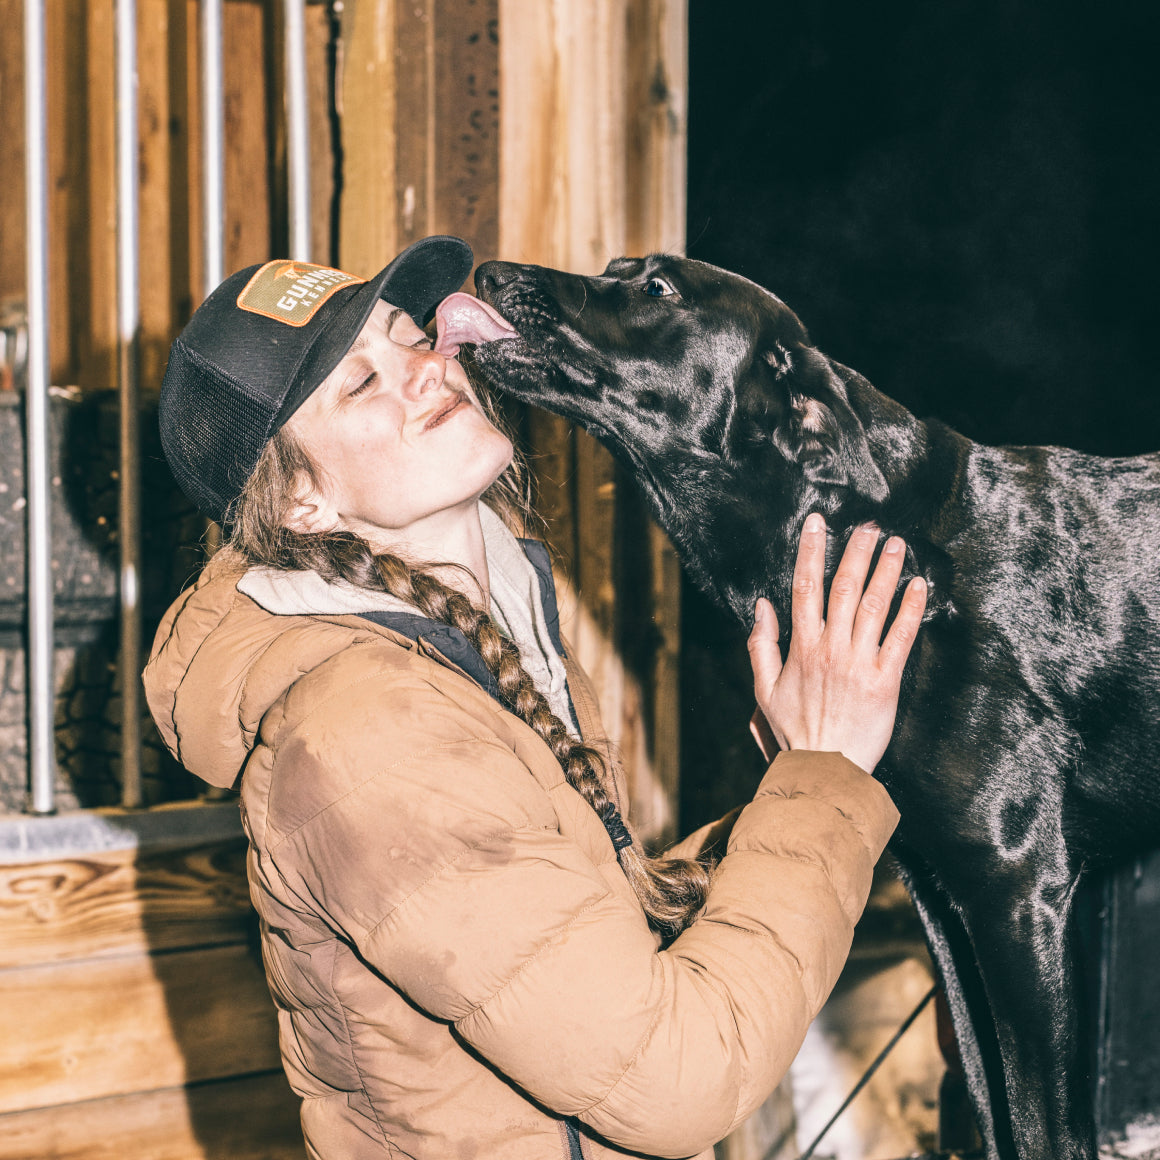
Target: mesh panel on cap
{"points": [[212, 430]]}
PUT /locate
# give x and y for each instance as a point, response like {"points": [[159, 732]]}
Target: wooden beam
{"points": [[592, 136], [368, 235], [254, 1118], [12, 244], [119, 903], [100, 1027]]}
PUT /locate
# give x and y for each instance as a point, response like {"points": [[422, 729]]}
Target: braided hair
{"points": [[671, 891]]}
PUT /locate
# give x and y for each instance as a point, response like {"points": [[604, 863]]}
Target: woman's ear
{"points": [[311, 511]]}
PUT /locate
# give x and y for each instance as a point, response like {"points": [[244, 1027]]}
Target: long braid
{"points": [[671, 891]]}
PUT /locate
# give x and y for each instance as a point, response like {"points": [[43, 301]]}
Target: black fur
{"points": [[1027, 740]]}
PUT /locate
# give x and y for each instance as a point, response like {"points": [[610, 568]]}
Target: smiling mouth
{"points": [[445, 412]]}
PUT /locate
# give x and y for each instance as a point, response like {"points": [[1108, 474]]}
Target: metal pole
{"points": [[41, 755], [212, 148], [128, 324], [297, 130]]}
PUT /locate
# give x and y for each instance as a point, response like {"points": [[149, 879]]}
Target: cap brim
{"points": [[417, 281]]}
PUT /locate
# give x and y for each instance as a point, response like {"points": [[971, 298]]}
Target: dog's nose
{"points": [[492, 275]]}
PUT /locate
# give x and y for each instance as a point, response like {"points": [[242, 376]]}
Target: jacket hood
{"points": [[220, 662], [229, 648]]}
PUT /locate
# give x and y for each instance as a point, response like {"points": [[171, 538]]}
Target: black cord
{"points": [[871, 1070]]}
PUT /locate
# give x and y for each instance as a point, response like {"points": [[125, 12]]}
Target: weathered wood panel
{"points": [[12, 245], [120, 903], [464, 141], [368, 235], [592, 131], [254, 1118], [101, 1027]]}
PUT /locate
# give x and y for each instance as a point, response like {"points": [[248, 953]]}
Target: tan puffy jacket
{"points": [[459, 966]]}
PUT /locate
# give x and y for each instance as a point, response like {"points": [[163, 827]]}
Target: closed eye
{"points": [[367, 382], [658, 288]]}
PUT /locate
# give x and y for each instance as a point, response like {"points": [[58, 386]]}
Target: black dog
{"points": [[1026, 746]]}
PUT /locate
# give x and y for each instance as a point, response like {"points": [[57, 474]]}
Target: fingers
{"points": [[808, 607], [876, 600], [764, 655], [850, 579], [896, 647]]}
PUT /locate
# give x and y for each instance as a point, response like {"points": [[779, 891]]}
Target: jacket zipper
{"points": [[573, 1134]]}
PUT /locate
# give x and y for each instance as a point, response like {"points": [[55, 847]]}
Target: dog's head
{"points": [[705, 385], [679, 367]]}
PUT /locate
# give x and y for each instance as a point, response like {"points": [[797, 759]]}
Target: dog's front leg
{"points": [[1019, 921]]}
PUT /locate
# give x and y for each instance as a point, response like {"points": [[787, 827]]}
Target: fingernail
{"points": [[919, 584], [759, 611], [893, 546], [814, 522], [868, 531]]}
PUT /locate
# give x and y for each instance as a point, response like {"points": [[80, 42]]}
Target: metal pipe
{"points": [[41, 754], [297, 130], [128, 326], [212, 146]]}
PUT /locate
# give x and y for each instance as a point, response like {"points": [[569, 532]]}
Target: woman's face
{"points": [[403, 444]]}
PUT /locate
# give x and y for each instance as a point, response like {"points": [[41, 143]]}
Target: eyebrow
{"points": [[364, 339]]}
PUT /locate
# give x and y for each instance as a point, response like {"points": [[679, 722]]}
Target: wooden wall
{"points": [[581, 160], [135, 1020], [592, 166], [82, 214]]}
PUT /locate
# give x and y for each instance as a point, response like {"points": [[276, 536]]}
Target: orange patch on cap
{"points": [[292, 292]]}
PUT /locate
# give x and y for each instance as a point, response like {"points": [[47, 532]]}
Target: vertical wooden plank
{"points": [[97, 341], [657, 123], [68, 217], [154, 234], [318, 22], [464, 188], [592, 166], [246, 36], [12, 245], [186, 208], [184, 172], [368, 236], [414, 81], [655, 220]]}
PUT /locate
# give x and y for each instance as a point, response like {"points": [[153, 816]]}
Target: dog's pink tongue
{"points": [[461, 318]]}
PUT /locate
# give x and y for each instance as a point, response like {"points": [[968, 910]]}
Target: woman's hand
{"points": [[838, 689]]}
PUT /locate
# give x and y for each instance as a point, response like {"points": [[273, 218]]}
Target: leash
{"points": [[869, 1072]]}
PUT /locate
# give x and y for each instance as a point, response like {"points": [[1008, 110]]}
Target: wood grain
{"points": [[12, 243], [100, 1027], [464, 141], [122, 903], [592, 137], [249, 129], [253, 1118], [368, 237]]}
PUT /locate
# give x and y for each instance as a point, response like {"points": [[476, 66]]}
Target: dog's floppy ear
{"points": [[821, 432]]}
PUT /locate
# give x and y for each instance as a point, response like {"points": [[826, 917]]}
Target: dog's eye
{"points": [[658, 288]]}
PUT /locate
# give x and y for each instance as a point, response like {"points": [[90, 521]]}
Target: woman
{"points": [[470, 954]]}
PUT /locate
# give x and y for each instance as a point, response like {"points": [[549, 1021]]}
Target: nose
{"points": [[426, 370], [492, 275]]}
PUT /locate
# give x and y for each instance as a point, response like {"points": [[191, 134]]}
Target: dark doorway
{"points": [[959, 200]]}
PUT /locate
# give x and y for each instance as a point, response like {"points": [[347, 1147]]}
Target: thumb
{"points": [[764, 655]]}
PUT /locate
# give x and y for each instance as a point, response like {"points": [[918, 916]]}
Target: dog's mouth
{"points": [[462, 319]]}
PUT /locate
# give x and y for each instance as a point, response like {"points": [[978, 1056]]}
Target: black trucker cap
{"points": [[262, 342]]}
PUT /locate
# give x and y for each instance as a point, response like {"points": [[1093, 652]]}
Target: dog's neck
{"points": [[747, 545]]}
